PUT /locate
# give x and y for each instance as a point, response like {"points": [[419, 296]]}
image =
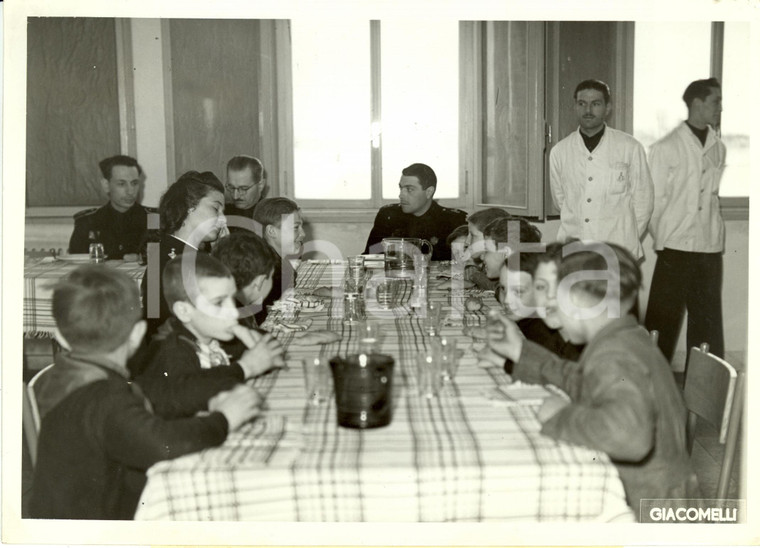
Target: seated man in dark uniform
{"points": [[121, 224], [245, 185], [416, 215]]}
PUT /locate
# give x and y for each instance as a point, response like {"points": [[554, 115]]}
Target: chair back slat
{"points": [[709, 389], [31, 413], [732, 439]]}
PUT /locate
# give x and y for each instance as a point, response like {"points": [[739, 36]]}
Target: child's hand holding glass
{"points": [[504, 337]]}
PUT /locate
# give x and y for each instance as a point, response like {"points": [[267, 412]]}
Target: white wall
{"points": [[152, 138]]}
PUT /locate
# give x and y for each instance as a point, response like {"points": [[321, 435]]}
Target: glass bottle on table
{"points": [[97, 253]]}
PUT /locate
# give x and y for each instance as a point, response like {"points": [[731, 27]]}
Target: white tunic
{"points": [[686, 179], [604, 195]]}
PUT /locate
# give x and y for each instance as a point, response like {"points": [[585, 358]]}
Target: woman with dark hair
{"points": [[192, 216]]}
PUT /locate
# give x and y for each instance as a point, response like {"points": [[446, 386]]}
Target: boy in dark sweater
{"points": [[99, 433], [186, 363]]}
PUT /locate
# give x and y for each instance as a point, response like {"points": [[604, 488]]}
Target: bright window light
{"points": [[331, 109], [420, 101]]}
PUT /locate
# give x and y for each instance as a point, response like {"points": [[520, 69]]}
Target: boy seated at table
{"points": [[252, 263], [527, 293], [99, 433], [476, 225], [622, 396], [457, 242], [498, 246], [186, 364], [544, 327], [282, 228]]}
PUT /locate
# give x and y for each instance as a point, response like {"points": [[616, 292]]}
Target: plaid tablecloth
{"points": [[40, 278], [465, 455]]}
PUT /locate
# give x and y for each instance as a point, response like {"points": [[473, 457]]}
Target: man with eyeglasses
{"points": [[245, 185]]}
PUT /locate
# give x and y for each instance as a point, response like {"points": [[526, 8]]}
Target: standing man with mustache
{"points": [[121, 224], [599, 176]]}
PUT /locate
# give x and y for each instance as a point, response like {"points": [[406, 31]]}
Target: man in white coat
{"points": [[599, 176], [687, 227]]}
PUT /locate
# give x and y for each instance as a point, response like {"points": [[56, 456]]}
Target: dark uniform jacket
{"points": [[120, 233], [434, 225], [625, 403], [172, 376], [169, 247], [98, 437]]}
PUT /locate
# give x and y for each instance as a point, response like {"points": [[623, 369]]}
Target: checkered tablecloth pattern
{"points": [[40, 278], [461, 456]]}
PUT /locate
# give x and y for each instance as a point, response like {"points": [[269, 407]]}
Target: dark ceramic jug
{"points": [[363, 389]]}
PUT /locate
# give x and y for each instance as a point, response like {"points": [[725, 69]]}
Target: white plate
{"points": [[75, 258]]}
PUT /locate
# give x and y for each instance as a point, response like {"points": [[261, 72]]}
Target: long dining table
{"points": [[473, 453]]}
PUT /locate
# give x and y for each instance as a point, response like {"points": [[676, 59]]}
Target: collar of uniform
{"points": [[599, 136], [434, 208], [114, 211], [688, 136]]}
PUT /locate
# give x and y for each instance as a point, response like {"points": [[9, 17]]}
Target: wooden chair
{"points": [[31, 414], [714, 391]]}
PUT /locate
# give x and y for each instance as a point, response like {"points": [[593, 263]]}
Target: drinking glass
{"points": [[387, 293], [356, 261], [447, 351], [370, 337], [353, 311], [428, 374], [431, 319], [316, 380], [97, 254]]}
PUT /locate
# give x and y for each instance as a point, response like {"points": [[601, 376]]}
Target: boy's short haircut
{"points": [[484, 217], [205, 266], [498, 230], [247, 256], [95, 308], [269, 211], [523, 262], [458, 232], [551, 254], [592, 258]]}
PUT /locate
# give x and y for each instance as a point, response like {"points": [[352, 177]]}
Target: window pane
{"points": [[420, 101], [667, 57], [735, 120], [331, 109], [214, 88], [72, 109]]}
